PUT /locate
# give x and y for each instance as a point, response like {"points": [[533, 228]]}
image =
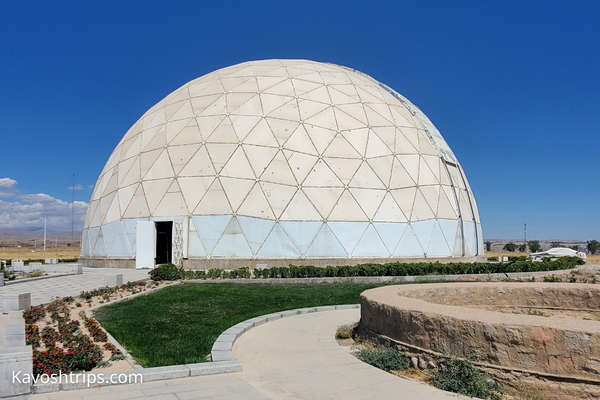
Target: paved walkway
{"points": [[289, 358]]}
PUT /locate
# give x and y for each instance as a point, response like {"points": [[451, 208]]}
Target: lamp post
{"points": [[44, 232]]}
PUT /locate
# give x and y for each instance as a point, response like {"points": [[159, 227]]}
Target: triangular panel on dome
{"points": [[261, 135], [410, 162], [301, 233], [446, 205], [134, 147], [341, 148], [278, 171], [214, 201], [465, 207], [409, 245], [105, 203], [271, 102], [232, 82], [210, 228], [469, 238], [284, 88], [199, 165], [236, 190], [401, 115], [318, 95], [99, 249], [300, 141], [300, 164], [152, 119], [300, 209], [403, 145], [448, 227], [333, 77], [390, 233], [278, 196], [266, 82], [115, 237], [344, 168], [256, 231], [250, 107], [86, 251], [232, 243], [374, 118], [426, 175], [238, 166], [438, 247], [113, 213], [289, 111], [223, 133], [278, 245], [348, 89], [217, 107], [405, 198], [370, 245], [172, 204], [282, 129], [459, 245], [423, 231], [195, 247], [356, 111], [338, 96], [206, 125], [365, 177], [425, 145], [324, 119], [366, 96], [243, 124], [347, 209], [130, 226], [189, 134], [309, 108], [348, 233], [193, 189], [138, 207], [346, 121], [94, 214], [133, 175], [323, 198], [382, 166], [259, 157], [421, 209], [431, 194], [159, 140], [358, 139], [389, 211], [320, 137], [326, 244], [161, 168], [181, 155], [322, 176], [154, 192], [201, 103], [123, 168], [369, 200], [92, 234], [256, 205], [387, 134], [248, 87], [383, 112], [220, 153]]}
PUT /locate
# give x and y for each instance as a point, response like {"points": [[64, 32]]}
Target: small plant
{"points": [[533, 311], [166, 272], [573, 278], [530, 392], [552, 278], [34, 314], [215, 273], [460, 376], [35, 274], [345, 331], [32, 335], [386, 358]]}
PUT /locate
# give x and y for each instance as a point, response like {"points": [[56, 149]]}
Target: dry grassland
{"points": [[27, 253]]}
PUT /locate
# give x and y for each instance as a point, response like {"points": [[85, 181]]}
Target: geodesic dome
{"points": [[282, 159]]}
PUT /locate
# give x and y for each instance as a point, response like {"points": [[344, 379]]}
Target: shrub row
{"points": [[172, 272], [417, 269]]}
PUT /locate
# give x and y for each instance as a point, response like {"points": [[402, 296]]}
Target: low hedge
{"points": [[171, 272], [417, 269]]}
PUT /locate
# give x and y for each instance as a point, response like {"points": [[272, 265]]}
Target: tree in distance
{"points": [[534, 246], [488, 245], [555, 244], [593, 246], [576, 247], [522, 247], [510, 247]]}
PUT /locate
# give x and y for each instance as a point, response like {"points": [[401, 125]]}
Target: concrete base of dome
{"points": [[228, 263]]}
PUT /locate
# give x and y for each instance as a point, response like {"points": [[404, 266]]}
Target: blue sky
{"points": [[513, 86]]}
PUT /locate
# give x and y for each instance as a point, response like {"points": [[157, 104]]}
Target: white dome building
{"points": [[276, 162]]}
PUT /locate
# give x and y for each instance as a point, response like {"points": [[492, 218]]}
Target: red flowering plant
{"points": [[32, 335]]}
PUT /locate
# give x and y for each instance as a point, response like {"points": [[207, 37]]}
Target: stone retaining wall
{"points": [[431, 317]]}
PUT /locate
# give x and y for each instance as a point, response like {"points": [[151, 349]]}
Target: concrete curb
{"points": [[222, 349]]}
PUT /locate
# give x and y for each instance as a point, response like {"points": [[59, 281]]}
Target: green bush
{"points": [[166, 272], [460, 376], [385, 357]]}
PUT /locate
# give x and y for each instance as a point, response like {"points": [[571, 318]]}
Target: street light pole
{"points": [[44, 232]]}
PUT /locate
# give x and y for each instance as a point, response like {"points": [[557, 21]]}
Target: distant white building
{"points": [[281, 161]]}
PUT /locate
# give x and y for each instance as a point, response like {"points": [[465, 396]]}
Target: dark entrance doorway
{"points": [[164, 242]]}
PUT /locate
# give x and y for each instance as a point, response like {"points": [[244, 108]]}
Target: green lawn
{"points": [[179, 324]]}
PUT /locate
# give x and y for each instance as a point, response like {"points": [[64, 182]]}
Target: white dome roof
{"points": [[287, 141]]}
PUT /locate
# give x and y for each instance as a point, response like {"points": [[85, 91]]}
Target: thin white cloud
{"points": [[7, 183], [76, 187], [26, 212]]}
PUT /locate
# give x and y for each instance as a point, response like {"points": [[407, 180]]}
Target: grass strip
{"points": [[179, 325]]}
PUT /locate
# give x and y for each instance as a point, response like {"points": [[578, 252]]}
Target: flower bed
{"points": [[64, 339]]}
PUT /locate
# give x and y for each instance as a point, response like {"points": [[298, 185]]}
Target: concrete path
{"points": [[43, 290]]}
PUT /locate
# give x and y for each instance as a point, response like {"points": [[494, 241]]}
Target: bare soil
{"points": [[27, 253]]}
